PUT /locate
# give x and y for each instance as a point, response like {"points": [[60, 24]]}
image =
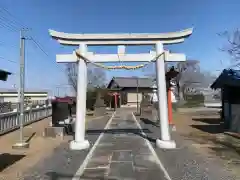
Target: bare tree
{"points": [[71, 70], [195, 82], [96, 76], [189, 73], [191, 80], [233, 44]]}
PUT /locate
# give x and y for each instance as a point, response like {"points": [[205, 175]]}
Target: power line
{"points": [[38, 45], [15, 24], [16, 20], [6, 26], [10, 22], [9, 45], [8, 60]]}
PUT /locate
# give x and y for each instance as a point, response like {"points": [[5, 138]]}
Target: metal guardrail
{"points": [[9, 121]]}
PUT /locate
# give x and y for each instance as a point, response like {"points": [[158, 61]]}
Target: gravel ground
{"points": [[186, 162], [13, 162]]}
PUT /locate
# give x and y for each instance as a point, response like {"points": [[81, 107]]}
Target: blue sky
{"points": [[107, 16]]}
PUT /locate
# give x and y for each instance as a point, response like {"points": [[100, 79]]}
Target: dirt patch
{"points": [[14, 162], [204, 132]]}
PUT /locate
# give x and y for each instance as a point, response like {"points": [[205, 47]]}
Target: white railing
{"points": [[9, 121]]}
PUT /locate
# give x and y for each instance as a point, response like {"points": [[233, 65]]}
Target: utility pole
{"points": [[137, 97], [137, 92], [21, 144], [58, 88], [57, 91]]}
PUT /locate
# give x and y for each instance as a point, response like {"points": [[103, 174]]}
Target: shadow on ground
{"points": [[212, 129], [147, 121], [7, 160], [211, 125], [139, 132], [117, 131], [57, 176], [222, 148], [208, 120], [30, 137]]}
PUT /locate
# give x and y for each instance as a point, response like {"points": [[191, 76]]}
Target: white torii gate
{"points": [[120, 40]]}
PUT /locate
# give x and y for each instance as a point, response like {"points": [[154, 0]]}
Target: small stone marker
{"points": [[100, 106]]}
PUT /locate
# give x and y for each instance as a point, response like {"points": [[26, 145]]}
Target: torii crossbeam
{"points": [[102, 58], [157, 40]]}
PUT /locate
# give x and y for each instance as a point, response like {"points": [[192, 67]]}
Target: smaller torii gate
{"points": [[82, 56], [115, 95]]}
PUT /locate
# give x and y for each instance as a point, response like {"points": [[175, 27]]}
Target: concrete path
{"points": [[122, 153]]}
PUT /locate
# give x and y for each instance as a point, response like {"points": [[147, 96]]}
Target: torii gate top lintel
{"points": [[121, 39]]}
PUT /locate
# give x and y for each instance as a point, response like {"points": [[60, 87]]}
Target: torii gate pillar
{"points": [[80, 142], [165, 141]]}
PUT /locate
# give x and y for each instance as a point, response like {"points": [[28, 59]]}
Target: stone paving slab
{"points": [[122, 156], [148, 174], [121, 170], [94, 174], [100, 161]]}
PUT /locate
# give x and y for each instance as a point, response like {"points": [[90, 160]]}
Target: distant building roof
{"points": [[122, 82], [228, 77], [3, 90]]}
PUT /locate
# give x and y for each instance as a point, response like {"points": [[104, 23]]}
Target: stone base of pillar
{"points": [[165, 144], [21, 145], [76, 145]]}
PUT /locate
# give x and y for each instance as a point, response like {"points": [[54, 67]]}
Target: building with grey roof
{"points": [[127, 88]]}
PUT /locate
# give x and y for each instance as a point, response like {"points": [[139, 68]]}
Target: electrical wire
{"points": [[15, 25], [8, 60], [8, 45], [9, 23], [39, 46], [5, 26], [14, 19]]}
